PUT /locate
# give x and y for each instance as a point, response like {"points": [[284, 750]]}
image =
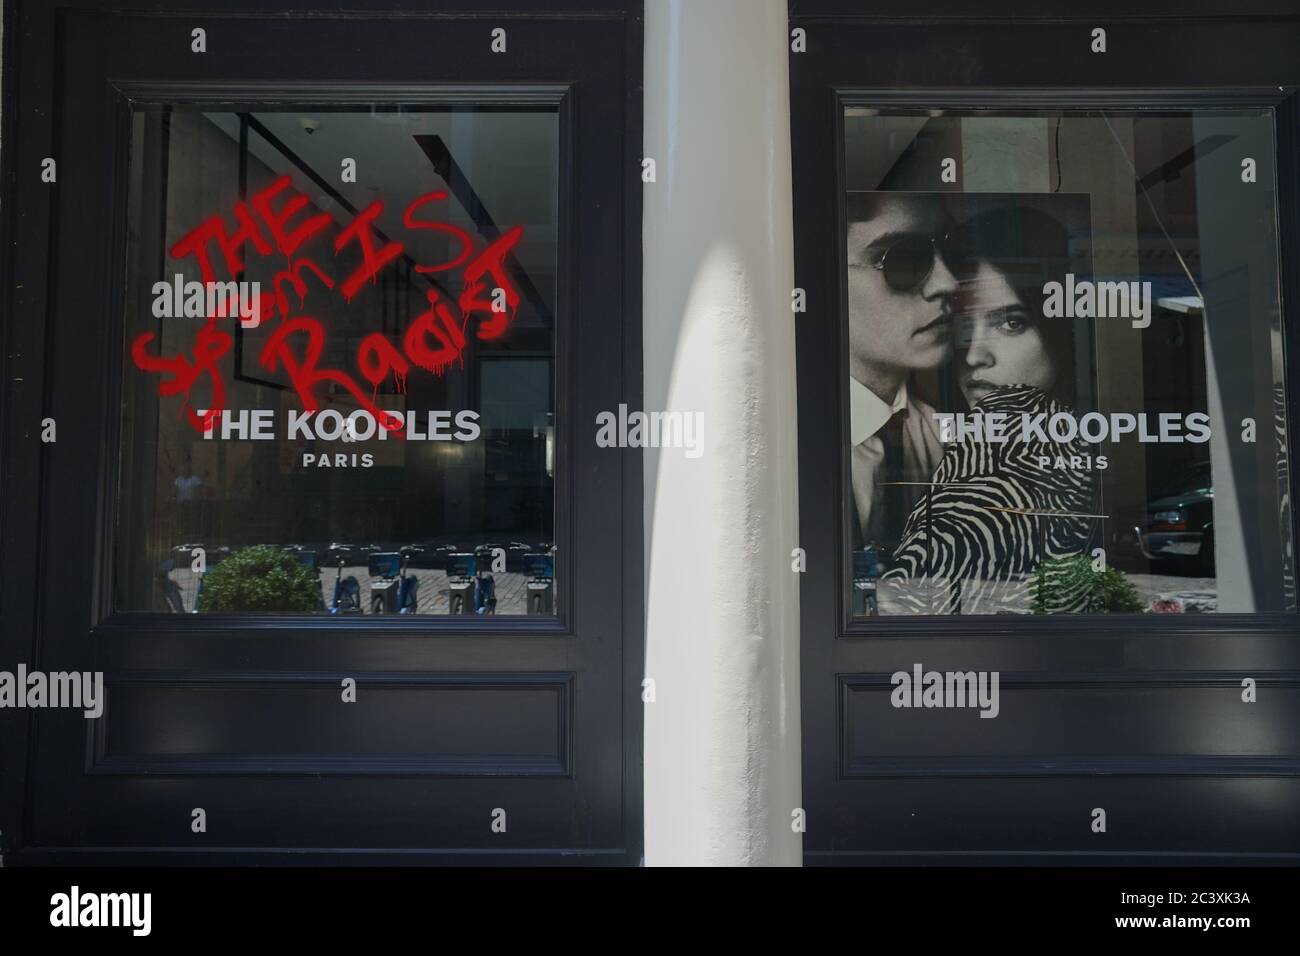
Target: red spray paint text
{"points": [[434, 340]]}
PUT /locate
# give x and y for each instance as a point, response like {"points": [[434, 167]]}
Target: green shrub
{"points": [[260, 579], [1059, 581]]}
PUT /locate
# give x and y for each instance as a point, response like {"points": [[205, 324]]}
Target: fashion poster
{"points": [[970, 372]]}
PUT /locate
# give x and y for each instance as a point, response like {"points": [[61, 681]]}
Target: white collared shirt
{"points": [[868, 413]]}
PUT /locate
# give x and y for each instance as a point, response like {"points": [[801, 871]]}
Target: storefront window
{"points": [[338, 368], [1065, 363]]}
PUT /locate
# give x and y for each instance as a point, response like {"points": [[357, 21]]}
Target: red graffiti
{"points": [[434, 339], [490, 261], [295, 280], [371, 260], [448, 336], [463, 237], [210, 344], [288, 243], [195, 243], [303, 371], [378, 358]]}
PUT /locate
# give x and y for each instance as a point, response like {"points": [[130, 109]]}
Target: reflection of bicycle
{"points": [[460, 583], [347, 593], [485, 591], [866, 571], [173, 597], [540, 587], [171, 591], [395, 590], [471, 588], [307, 558]]}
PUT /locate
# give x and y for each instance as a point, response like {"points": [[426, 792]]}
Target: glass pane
{"points": [[339, 390], [1065, 363]]}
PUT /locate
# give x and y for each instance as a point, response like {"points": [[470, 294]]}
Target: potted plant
{"points": [[1061, 585], [262, 579]]}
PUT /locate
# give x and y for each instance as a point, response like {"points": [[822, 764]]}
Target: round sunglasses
{"points": [[908, 262]]}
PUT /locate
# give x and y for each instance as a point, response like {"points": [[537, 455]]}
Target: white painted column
{"points": [[722, 768]]}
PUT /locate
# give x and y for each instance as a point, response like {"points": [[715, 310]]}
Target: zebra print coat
{"points": [[967, 547]]}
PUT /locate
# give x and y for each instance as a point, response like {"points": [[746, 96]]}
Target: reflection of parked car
{"points": [[184, 554], [1180, 522], [350, 553], [428, 554], [303, 550], [516, 553]]}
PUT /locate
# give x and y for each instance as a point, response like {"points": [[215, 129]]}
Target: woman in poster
{"points": [[994, 511]]}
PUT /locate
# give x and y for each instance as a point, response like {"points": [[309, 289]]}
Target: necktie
{"points": [[877, 464]]}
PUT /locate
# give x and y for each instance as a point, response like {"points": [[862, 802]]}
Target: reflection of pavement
{"points": [[1192, 594], [510, 588]]}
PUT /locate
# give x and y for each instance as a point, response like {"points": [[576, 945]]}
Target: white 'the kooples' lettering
{"points": [[1093, 427], [1098, 300], [258, 424]]}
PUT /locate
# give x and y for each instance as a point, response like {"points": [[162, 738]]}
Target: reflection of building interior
{"points": [[499, 170]]}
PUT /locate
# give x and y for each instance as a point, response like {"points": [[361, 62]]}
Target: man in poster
{"points": [[900, 294], [954, 286]]}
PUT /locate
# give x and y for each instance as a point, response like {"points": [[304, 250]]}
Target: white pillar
{"points": [[722, 768]]}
